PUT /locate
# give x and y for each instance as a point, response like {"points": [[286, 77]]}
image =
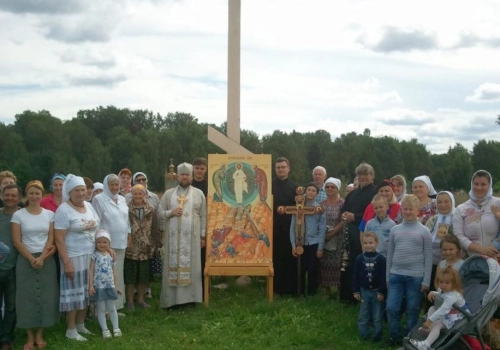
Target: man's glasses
{"points": [[330, 186], [142, 179]]}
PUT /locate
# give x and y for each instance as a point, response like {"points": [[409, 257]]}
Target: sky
{"points": [[408, 69]]}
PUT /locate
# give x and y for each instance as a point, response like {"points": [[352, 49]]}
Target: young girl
{"points": [[450, 250], [450, 289], [102, 281], [313, 240]]}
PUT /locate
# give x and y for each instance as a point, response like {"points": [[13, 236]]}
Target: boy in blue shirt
{"points": [[314, 240], [381, 224], [369, 287]]}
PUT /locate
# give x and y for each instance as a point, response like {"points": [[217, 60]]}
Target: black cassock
{"points": [[285, 264], [355, 202]]}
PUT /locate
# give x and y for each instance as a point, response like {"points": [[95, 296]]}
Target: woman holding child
{"points": [[440, 225], [474, 222], [332, 252]]}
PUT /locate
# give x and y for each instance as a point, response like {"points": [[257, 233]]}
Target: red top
{"points": [[370, 214], [49, 203]]}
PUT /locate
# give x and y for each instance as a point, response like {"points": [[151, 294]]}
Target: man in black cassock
{"points": [[353, 210], [200, 167], [285, 264]]}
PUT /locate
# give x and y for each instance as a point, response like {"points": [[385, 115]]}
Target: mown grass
{"points": [[238, 318]]}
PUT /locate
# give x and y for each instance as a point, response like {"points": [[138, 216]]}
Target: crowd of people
{"points": [[102, 243], [381, 247]]}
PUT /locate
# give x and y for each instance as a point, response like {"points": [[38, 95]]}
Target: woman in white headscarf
{"points": [[440, 225], [399, 183], [75, 225], [474, 223], [332, 251], [112, 210], [422, 188]]}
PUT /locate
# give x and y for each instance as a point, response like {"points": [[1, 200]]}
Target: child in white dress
{"points": [[450, 290], [102, 284]]}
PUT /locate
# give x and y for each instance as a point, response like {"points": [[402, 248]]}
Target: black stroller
{"points": [[481, 285]]}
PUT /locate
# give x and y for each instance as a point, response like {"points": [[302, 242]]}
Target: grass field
{"points": [[238, 318]]}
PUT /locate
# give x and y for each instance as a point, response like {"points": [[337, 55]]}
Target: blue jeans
{"points": [[371, 309], [400, 286], [8, 295]]}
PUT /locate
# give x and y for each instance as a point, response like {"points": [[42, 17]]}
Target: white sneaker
{"points": [[117, 332], [106, 334], [75, 336], [420, 345]]}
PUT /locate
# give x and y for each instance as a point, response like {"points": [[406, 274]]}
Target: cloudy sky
{"points": [[410, 69]]}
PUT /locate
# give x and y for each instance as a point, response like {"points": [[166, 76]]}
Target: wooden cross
{"points": [[181, 200], [231, 142], [300, 210]]}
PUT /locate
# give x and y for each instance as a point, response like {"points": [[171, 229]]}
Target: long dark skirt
{"points": [[37, 294]]}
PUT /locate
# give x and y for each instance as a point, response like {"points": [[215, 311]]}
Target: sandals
{"points": [[117, 332], [106, 334], [41, 345]]}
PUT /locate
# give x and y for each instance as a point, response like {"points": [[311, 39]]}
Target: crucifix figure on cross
{"points": [[181, 200]]}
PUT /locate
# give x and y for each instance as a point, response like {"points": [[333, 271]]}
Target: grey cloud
{"points": [[80, 30], [403, 40], [103, 81], [100, 60], [469, 39], [487, 92], [42, 6]]}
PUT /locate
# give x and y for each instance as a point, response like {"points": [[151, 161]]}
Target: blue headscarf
{"points": [[55, 177]]}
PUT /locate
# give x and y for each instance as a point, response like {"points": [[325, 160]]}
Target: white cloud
{"points": [[301, 66], [487, 92]]}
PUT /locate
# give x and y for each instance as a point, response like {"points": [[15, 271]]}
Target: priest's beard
{"points": [[185, 183]]}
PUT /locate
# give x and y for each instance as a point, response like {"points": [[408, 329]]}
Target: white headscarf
{"points": [[490, 191], [106, 190], [98, 186], [444, 218], [137, 174], [71, 182], [103, 233], [427, 181], [403, 193], [332, 180]]}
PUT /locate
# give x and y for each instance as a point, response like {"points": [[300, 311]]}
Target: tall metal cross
{"points": [[231, 142]]}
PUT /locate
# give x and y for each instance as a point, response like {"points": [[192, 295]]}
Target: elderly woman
{"points": [[474, 222], [75, 225], [55, 199], [332, 251], [7, 178], [113, 214], [352, 212], [422, 188], [36, 283], [125, 181], [98, 189], [399, 183], [145, 242]]}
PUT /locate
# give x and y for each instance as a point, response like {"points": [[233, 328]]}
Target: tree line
{"points": [[106, 139]]}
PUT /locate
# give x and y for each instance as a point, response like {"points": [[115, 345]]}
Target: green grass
{"points": [[238, 318]]}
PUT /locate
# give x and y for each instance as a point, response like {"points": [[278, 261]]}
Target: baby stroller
{"points": [[481, 286]]}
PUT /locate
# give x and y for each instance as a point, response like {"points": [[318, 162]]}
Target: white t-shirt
{"points": [[82, 227], [34, 228], [114, 219]]}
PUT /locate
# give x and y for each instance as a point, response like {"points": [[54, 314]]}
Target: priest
{"points": [[183, 209]]}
